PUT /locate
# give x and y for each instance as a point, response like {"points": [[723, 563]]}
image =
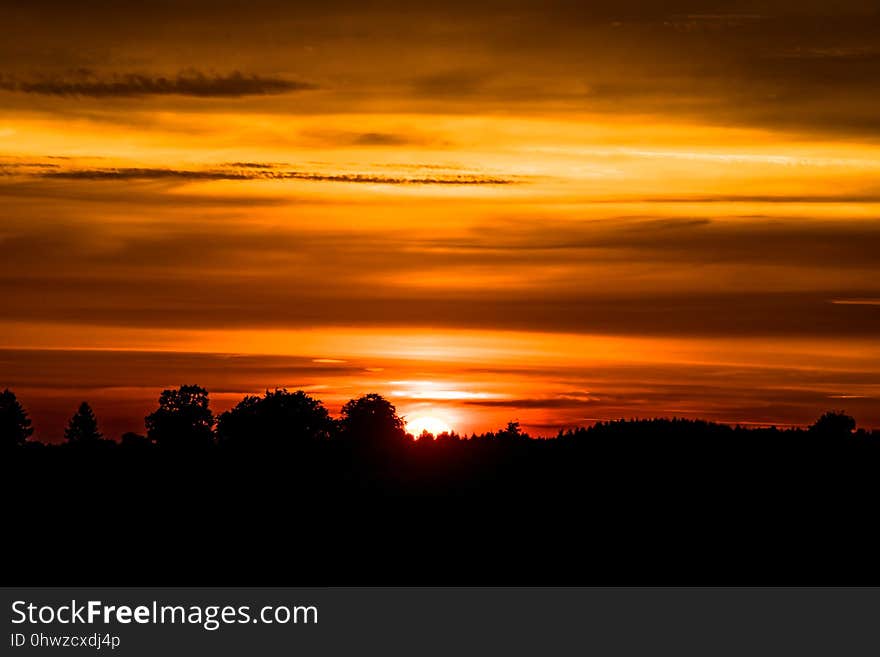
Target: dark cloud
{"points": [[24, 167], [253, 165], [349, 138], [118, 368], [255, 171], [801, 66], [139, 173], [86, 83], [137, 196], [171, 275], [455, 179], [381, 139], [838, 244], [275, 171], [191, 300]]}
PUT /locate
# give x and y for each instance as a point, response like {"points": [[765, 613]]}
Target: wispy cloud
{"points": [[868, 197], [86, 83], [257, 171], [856, 302], [711, 22], [330, 138], [381, 139], [559, 401]]}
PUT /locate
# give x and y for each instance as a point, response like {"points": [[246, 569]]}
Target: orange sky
{"points": [[526, 211]]}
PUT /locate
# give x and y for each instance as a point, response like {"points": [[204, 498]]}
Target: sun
{"points": [[427, 423]]}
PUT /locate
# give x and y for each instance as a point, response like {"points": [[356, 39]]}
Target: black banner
{"points": [[442, 621]]}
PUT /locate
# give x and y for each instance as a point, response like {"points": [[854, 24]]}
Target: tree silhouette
{"points": [[15, 425], [183, 419], [834, 424], [511, 432], [279, 419], [680, 477], [83, 427], [371, 421]]}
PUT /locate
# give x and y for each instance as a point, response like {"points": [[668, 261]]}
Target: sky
{"points": [[554, 212]]}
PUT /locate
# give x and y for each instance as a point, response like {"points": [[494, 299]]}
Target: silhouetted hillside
{"points": [[277, 491]]}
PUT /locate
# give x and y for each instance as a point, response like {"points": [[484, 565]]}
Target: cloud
{"points": [[856, 302], [583, 277], [24, 168], [454, 83], [866, 197], [558, 402], [855, 52], [256, 171], [85, 83], [329, 138], [838, 244], [117, 368], [441, 175], [381, 139], [189, 300], [791, 66], [252, 165], [715, 22], [139, 173]]}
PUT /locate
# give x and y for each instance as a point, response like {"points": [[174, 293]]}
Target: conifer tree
{"points": [[83, 427], [15, 425]]}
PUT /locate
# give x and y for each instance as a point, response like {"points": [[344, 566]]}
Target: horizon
{"points": [[417, 426], [550, 214]]}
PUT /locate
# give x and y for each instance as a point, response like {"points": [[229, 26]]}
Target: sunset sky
{"points": [[550, 212]]}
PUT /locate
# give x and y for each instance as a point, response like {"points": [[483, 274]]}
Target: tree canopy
{"points": [[277, 419], [83, 427], [183, 419], [834, 424], [15, 425], [371, 421]]}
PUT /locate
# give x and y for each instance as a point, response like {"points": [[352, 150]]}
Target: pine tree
{"points": [[15, 425], [83, 427]]}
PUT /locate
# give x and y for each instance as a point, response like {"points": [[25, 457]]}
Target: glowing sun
{"points": [[427, 423]]}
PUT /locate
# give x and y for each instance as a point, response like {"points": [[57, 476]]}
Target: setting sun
{"points": [[427, 423]]}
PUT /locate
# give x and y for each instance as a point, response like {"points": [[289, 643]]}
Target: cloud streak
{"points": [[85, 83], [536, 275], [256, 171], [867, 197]]}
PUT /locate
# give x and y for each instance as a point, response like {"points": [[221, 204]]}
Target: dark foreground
{"points": [[637, 503]]}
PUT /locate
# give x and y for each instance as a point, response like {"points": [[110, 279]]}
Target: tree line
{"points": [[183, 420], [278, 485]]}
